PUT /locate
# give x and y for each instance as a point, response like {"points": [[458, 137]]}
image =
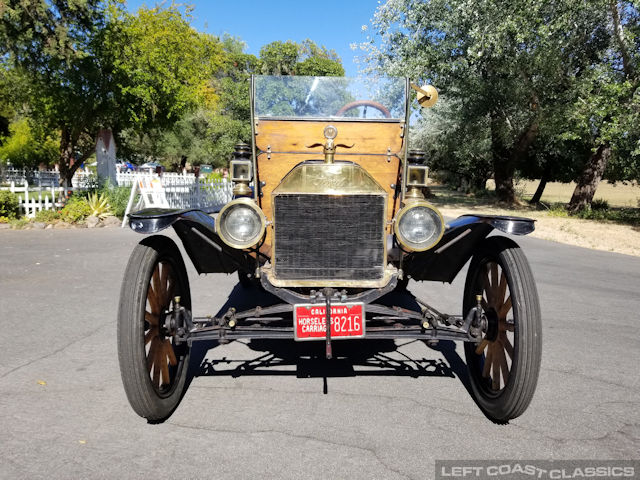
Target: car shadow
{"points": [[307, 359]]}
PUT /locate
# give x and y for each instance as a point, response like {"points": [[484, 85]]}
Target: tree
{"points": [[27, 145], [607, 112], [505, 65], [306, 58], [91, 65]]}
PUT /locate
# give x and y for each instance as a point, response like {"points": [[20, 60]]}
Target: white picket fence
{"points": [[32, 200], [149, 190], [51, 178], [177, 191], [126, 179]]}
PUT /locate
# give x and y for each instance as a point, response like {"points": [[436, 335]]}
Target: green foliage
{"points": [[99, 205], [47, 216], [306, 58], [4, 219], [599, 204], [76, 210], [19, 223], [213, 177], [526, 85], [118, 198], [162, 65], [602, 212], [279, 58], [9, 206], [28, 146]]}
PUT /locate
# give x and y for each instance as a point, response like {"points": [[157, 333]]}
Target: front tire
{"points": [[153, 367], [504, 365]]}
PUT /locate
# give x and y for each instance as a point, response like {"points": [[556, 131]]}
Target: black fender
{"points": [[458, 243], [197, 230]]}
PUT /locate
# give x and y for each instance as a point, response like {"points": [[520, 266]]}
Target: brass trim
{"points": [[388, 274], [367, 185], [263, 223], [338, 178], [405, 208]]}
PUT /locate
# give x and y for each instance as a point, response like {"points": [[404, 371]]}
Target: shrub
{"points": [[8, 204], [47, 216], [18, 223], [4, 219], [118, 198], [99, 205], [599, 204], [213, 177], [76, 210]]}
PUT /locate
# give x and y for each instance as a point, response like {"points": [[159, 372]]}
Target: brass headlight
{"points": [[418, 226], [241, 223]]}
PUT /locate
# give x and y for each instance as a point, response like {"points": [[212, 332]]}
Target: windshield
{"points": [[330, 97]]}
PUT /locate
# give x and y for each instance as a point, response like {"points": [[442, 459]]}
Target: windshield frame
{"points": [[404, 118]]}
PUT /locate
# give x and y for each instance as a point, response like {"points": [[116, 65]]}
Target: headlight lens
{"points": [[419, 226], [241, 224]]}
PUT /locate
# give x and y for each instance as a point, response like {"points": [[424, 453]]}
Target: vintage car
{"points": [[329, 216]]}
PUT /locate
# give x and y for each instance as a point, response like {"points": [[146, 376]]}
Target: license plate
{"points": [[347, 321]]}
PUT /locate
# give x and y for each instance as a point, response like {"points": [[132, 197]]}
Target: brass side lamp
{"points": [[242, 170]]}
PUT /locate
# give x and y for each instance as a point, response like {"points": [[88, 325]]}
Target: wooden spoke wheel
{"points": [[153, 366], [504, 364]]}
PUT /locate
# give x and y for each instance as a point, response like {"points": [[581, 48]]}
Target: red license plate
{"points": [[347, 321]]}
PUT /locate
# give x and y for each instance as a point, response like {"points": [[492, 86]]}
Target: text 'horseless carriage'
{"points": [[329, 216]]}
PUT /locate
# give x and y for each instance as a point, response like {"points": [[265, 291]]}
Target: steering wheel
{"points": [[364, 103]]}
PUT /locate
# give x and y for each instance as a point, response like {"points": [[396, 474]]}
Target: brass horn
{"points": [[427, 95]]}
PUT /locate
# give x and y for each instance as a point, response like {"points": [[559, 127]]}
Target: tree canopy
{"points": [[166, 90], [528, 87]]}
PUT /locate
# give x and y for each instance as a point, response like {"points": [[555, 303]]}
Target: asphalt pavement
{"points": [[273, 410]]}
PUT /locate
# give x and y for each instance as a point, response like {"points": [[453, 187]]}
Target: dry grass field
{"points": [[600, 235], [618, 195]]}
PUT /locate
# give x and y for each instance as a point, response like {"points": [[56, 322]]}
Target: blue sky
{"points": [[332, 23]]}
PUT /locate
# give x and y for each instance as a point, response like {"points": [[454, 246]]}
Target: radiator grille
{"points": [[329, 237]]}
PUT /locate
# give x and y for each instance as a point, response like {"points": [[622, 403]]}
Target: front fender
{"points": [[197, 230], [443, 262]]}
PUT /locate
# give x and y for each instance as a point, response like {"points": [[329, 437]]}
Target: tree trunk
{"points": [[66, 157], [505, 159], [590, 178], [541, 186], [503, 170], [68, 163]]}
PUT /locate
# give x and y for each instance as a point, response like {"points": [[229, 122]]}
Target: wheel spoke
{"points": [[153, 332], [156, 367], [496, 360], [155, 281], [164, 364], [483, 344], [494, 277], [153, 300], [504, 367], [151, 356], [507, 344], [171, 354], [502, 289], [151, 318], [502, 314]]}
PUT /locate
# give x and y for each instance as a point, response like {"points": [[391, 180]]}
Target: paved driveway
{"points": [[256, 410]]}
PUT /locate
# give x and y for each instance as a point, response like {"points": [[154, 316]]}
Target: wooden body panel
{"points": [[294, 135], [273, 170]]}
